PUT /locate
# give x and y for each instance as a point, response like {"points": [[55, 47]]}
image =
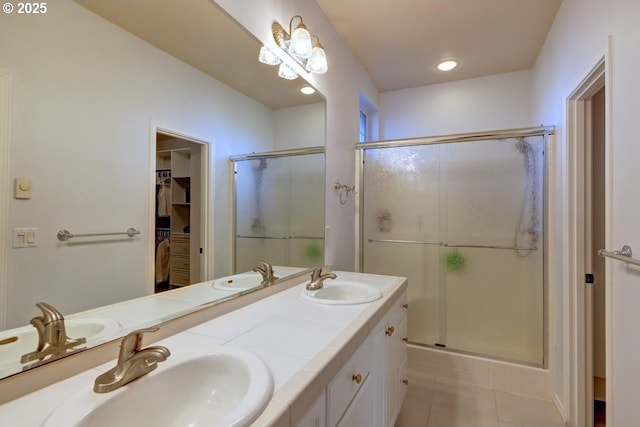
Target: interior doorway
{"points": [[180, 211], [590, 206], [595, 210]]}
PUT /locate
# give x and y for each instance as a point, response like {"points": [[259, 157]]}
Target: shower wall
{"points": [[464, 222], [279, 211]]}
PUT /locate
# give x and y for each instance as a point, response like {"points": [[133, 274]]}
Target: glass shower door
{"points": [[261, 205], [306, 211], [401, 221], [494, 203], [464, 222], [279, 211]]}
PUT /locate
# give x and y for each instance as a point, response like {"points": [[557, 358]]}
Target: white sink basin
{"points": [[220, 387], [94, 330], [238, 282], [342, 292], [250, 279]]}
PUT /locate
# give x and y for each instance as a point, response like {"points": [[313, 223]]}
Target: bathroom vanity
{"points": [[370, 388], [331, 363]]}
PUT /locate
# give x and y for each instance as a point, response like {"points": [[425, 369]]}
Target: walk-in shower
{"points": [[463, 218], [279, 208]]}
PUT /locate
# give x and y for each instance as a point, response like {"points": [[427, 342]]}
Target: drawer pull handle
{"points": [[390, 330], [357, 378], [405, 339], [405, 381], [405, 306]]}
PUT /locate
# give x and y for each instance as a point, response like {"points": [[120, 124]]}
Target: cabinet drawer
{"points": [[344, 386], [179, 277], [180, 238], [180, 244], [179, 248], [181, 263]]}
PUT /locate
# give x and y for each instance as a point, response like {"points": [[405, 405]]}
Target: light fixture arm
{"points": [[301, 24]]}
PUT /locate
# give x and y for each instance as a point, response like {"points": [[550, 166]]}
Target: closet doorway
{"points": [[180, 211]]}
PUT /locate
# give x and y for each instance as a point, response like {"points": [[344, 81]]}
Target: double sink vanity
{"points": [[329, 350]]}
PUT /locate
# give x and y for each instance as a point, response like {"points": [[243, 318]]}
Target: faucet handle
{"points": [[132, 342], [49, 312], [268, 275], [316, 273], [267, 267]]}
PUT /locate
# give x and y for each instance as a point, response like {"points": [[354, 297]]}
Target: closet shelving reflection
{"points": [[177, 204]]}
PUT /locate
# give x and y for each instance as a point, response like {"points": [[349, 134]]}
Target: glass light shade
{"points": [[268, 57], [317, 62], [300, 44], [287, 72]]}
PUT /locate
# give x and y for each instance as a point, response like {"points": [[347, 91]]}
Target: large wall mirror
{"points": [[105, 97]]}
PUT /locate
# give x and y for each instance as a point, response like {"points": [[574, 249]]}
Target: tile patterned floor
{"points": [[440, 403]]}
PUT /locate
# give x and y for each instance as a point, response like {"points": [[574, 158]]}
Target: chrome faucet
{"points": [[53, 341], [317, 279], [133, 362], [266, 271]]}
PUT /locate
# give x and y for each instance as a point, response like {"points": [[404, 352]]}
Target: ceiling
{"points": [[399, 42], [205, 37]]}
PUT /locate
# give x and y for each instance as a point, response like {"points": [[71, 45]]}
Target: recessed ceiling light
{"points": [[447, 65], [307, 90]]}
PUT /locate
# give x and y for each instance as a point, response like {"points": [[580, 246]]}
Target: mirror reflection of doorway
{"points": [[178, 218]]}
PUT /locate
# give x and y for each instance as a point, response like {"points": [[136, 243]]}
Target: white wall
{"points": [[500, 101], [579, 32], [341, 86], [299, 127], [83, 95]]}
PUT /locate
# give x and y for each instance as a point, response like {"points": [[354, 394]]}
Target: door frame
{"points": [[578, 359], [5, 190], [207, 196]]}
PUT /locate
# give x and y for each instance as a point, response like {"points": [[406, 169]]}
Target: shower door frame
{"points": [[544, 131], [233, 160]]}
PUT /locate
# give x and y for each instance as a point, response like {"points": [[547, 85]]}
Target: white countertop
{"points": [[296, 339]]}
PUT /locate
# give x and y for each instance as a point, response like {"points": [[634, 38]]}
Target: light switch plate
{"points": [[25, 237]]}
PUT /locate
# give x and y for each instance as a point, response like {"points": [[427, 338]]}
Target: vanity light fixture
{"points": [[304, 48], [447, 65]]}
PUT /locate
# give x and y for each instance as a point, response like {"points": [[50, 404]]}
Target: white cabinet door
{"points": [[390, 365], [346, 384], [380, 361], [316, 416], [398, 370], [360, 413]]}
